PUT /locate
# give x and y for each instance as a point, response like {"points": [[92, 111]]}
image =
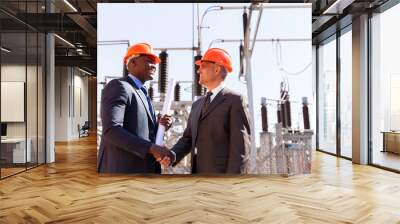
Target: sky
{"points": [[175, 25]]}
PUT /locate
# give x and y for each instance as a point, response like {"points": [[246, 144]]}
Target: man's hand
{"points": [[165, 120], [160, 152], [166, 161]]}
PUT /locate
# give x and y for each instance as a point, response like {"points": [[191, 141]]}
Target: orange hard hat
{"points": [[218, 56], [141, 49]]}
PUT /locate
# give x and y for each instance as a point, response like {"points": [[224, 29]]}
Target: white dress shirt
{"points": [[216, 90]]}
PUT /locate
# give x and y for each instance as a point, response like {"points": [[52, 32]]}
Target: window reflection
{"points": [[346, 94], [385, 84], [22, 89], [327, 96]]}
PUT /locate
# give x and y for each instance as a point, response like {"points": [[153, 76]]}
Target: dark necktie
{"points": [[204, 109], [149, 103], [206, 104]]}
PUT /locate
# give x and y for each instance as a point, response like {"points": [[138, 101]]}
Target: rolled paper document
{"points": [[166, 107]]}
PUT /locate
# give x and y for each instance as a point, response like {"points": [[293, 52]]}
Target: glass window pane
{"points": [[22, 88], [41, 98], [31, 97], [13, 86], [386, 89], [327, 97], [346, 94]]}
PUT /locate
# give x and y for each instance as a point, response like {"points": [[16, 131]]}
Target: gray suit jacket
{"points": [[128, 130], [220, 136]]}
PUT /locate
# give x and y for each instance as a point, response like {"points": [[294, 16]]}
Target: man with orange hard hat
{"points": [[218, 130], [128, 119]]}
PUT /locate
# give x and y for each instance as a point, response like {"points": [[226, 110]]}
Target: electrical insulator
{"points": [[177, 92], [288, 116], [285, 106], [151, 92], [279, 113], [264, 114], [244, 23], [241, 53], [163, 72], [306, 115], [197, 89], [283, 114]]}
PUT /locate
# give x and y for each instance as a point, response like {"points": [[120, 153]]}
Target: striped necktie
{"points": [[144, 90], [206, 104]]}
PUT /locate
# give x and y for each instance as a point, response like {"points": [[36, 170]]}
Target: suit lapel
{"points": [[219, 98], [142, 97], [197, 112], [196, 118]]}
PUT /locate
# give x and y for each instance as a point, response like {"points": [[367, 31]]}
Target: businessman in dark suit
{"points": [[128, 119], [218, 129]]}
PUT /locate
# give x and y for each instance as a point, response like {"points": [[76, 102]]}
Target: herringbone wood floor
{"points": [[70, 191]]}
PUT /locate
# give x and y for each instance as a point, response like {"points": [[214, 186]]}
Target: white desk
{"points": [[15, 147]]}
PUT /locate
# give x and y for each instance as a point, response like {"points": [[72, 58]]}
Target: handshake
{"points": [[162, 154]]}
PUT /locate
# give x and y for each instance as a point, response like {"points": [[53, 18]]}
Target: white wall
{"points": [[61, 82], [33, 126], [80, 94], [71, 94], [15, 73]]}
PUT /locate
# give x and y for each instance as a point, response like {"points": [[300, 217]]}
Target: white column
{"points": [[50, 91], [50, 99], [360, 90], [63, 104]]}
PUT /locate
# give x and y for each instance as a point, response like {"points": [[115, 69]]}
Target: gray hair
{"points": [[223, 72]]}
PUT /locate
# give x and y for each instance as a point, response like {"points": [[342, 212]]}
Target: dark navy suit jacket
{"points": [[221, 135], [128, 130]]}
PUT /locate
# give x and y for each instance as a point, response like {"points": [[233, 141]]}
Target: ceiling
{"points": [[75, 22], [75, 43]]}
